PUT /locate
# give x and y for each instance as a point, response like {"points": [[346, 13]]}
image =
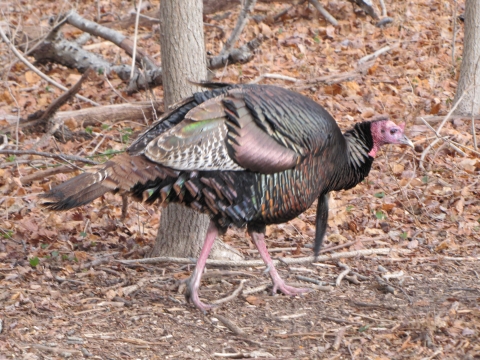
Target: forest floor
{"points": [[64, 293]]}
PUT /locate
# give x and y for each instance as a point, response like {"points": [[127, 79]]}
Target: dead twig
{"points": [[339, 337], [248, 263], [434, 119], [324, 12], [99, 261], [343, 273], [376, 54], [373, 305], [336, 78], [240, 55], [230, 325], [115, 37], [339, 321], [231, 296], [312, 286], [62, 99], [273, 76], [247, 8], [353, 279], [46, 173], [384, 8], [49, 155], [314, 281], [351, 243], [256, 289], [56, 350]]}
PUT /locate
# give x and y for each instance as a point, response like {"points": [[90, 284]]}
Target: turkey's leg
{"points": [[193, 282], [258, 236], [321, 222]]}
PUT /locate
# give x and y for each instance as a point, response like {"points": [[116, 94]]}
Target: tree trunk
{"points": [[182, 231], [469, 80]]}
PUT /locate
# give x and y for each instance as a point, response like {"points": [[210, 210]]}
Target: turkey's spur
{"points": [[244, 154]]}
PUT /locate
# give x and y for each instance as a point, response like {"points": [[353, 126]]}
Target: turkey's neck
{"points": [[358, 158]]}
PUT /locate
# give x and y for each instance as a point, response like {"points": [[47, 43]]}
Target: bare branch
{"points": [[38, 72], [240, 55], [50, 155], [324, 12], [288, 261], [229, 324], [232, 296], [241, 22], [115, 37]]}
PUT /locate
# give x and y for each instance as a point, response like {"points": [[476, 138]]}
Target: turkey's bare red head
{"points": [[387, 132]]}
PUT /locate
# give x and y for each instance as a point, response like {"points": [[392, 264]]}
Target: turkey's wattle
{"points": [[244, 154]]}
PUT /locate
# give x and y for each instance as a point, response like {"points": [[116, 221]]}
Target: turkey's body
{"points": [[243, 195], [244, 154]]}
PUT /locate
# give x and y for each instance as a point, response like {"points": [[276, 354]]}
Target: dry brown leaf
{"points": [[255, 300], [388, 207], [373, 232], [367, 113], [337, 238], [33, 78], [398, 168], [459, 204], [265, 29]]}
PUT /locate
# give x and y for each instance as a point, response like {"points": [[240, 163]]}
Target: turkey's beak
{"points": [[405, 140]]}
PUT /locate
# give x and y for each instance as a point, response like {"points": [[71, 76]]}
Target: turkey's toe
{"points": [[287, 289], [198, 303], [191, 295]]}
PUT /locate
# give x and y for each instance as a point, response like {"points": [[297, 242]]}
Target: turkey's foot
{"points": [[191, 295], [193, 283], [279, 284]]}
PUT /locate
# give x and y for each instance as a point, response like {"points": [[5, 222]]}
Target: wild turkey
{"points": [[244, 154]]}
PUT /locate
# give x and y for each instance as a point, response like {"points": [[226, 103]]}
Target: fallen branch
{"points": [[38, 72], [122, 41], [339, 337], [324, 12], [37, 175], [285, 336], [311, 286], [140, 112], [351, 243], [50, 155], [273, 76], [435, 119], [343, 273], [314, 281], [288, 261], [256, 289], [274, 18], [231, 296], [56, 350], [375, 306], [230, 325], [337, 78], [62, 99], [240, 55], [366, 5], [376, 54], [243, 18]]}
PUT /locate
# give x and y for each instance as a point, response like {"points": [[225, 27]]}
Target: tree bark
{"points": [[182, 231], [469, 79]]}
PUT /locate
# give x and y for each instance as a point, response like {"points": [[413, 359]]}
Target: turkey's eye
{"points": [[393, 131]]}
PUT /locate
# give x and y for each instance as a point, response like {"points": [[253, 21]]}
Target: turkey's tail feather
{"points": [[119, 174], [75, 192]]}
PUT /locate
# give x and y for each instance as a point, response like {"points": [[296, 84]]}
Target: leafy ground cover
{"points": [[64, 294]]}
